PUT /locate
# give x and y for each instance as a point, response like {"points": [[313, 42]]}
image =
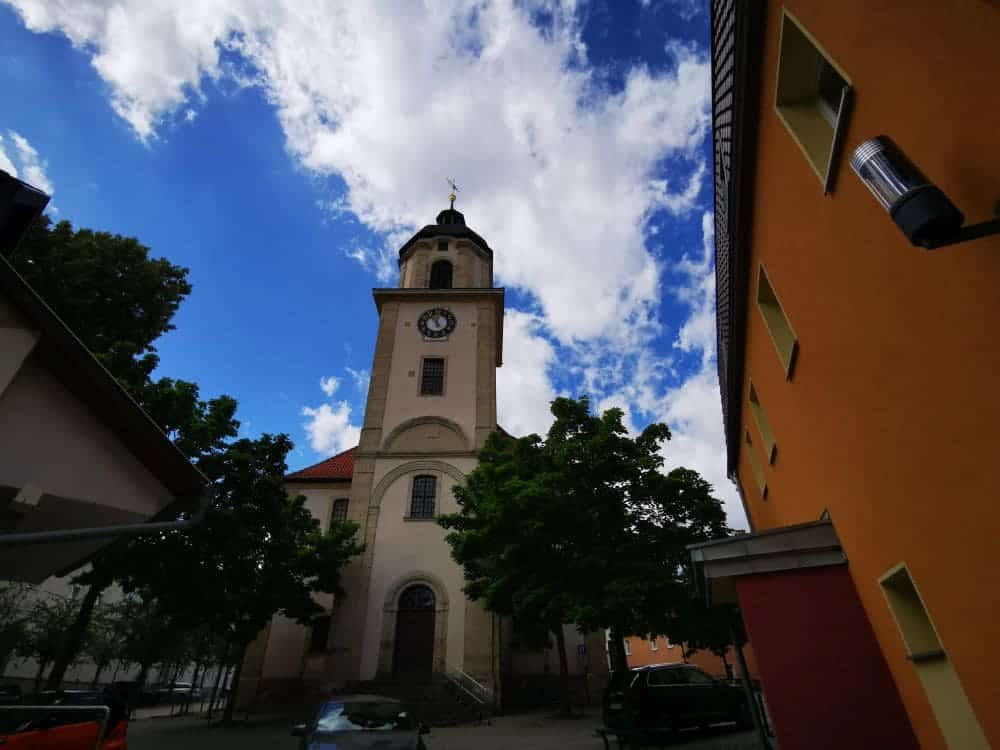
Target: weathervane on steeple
{"points": [[454, 189]]}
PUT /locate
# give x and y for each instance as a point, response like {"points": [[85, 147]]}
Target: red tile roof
{"points": [[340, 466]]}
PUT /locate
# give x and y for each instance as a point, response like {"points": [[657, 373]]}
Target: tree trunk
{"points": [[201, 687], [565, 703], [616, 643], [114, 675], [38, 675], [173, 685], [234, 685], [194, 686], [97, 675], [140, 682], [74, 638], [215, 687]]}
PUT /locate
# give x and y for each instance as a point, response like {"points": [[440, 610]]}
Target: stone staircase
{"points": [[439, 701]]}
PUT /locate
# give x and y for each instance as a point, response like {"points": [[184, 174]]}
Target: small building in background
{"points": [[643, 651]]}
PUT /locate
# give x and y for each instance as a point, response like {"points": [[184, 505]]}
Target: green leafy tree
{"points": [[47, 624], [200, 429], [152, 633], [13, 620], [108, 289], [698, 627], [581, 527], [508, 540], [258, 553], [119, 300], [103, 642]]}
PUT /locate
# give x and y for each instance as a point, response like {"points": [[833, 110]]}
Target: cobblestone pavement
{"points": [[527, 732]]}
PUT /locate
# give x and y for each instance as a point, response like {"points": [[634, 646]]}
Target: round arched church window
{"points": [[417, 597]]}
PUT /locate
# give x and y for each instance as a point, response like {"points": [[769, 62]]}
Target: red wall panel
{"points": [[826, 682]]}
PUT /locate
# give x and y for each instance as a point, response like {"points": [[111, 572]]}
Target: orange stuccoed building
{"points": [[646, 651], [859, 363]]}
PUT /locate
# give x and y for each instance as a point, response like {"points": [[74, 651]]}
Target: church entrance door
{"points": [[414, 654]]}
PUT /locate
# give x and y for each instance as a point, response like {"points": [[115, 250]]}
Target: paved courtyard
{"points": [[528, 732]]}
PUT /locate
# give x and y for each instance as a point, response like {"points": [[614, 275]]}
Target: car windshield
{"points": [[622, 680], [353, 716]]}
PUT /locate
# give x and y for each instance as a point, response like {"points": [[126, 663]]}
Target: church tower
{"points": [[431, 405]]}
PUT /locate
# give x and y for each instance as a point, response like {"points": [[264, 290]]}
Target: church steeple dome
{"points": [[449, 223], [451, 216], [445, 255]]}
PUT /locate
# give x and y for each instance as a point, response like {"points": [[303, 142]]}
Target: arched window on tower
{"points": [[441, 275], [423, 497]]}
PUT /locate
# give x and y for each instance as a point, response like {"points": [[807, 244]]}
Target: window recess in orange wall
{"points": [[776, 322], [758, 470], [949, 702], [812, 98], [763, 425]]}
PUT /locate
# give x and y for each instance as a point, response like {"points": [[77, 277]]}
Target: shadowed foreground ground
{"points": [[527, 732]]}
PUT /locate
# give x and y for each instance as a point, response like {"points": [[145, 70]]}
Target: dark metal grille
{"points": [[422, 501], [733, 89], [417, 597], [340, 509], [432, 377], [723, 64]]}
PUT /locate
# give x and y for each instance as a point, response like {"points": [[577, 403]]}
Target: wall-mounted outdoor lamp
{"points": [[924, 213]]}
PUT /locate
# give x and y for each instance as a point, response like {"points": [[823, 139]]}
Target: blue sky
{"points": [[283, 149]]}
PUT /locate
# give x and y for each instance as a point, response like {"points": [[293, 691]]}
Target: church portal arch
{"points": [[417, 603]]}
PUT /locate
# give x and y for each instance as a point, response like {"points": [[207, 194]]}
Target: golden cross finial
{"points": [[454, 189]]}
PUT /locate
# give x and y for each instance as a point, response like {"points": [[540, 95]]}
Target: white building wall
{"points": [[50, 439]]}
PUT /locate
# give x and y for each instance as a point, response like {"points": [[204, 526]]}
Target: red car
{"points": [[73, 724]]}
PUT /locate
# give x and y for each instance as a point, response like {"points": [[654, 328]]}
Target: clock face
{"points": [[436, 323]]}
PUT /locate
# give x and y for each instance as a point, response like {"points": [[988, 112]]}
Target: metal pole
{"points": [[102, 532], [758, 721]]}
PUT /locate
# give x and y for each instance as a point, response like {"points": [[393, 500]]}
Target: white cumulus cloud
{"points": [[560, 172], [5, 163], [329, 428], [694, 408], [360, 378], [556, 171], [524, 388], [329, 385], [698, 291], [24, 162]]}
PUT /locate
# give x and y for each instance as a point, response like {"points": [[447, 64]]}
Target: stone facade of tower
{"points": [[416, 432], [431, 405]]}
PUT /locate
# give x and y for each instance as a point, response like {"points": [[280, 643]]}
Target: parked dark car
{"points": [[352, 722], [177, 691], [674, 697]]}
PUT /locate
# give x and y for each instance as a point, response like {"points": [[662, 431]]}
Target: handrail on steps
{"points": [[468, 685]]}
